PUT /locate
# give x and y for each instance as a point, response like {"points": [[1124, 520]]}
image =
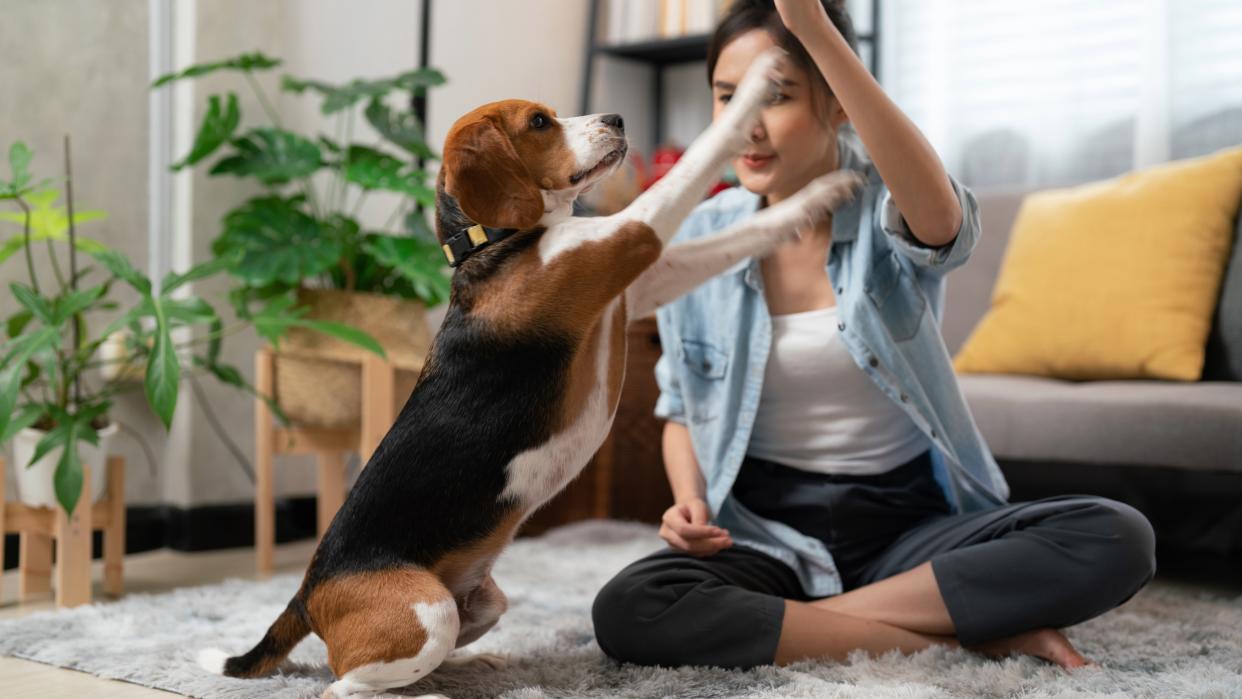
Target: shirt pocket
{"points": [[705, 367], [896, 297]]}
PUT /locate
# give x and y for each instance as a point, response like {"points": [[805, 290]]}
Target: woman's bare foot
{"points": [[1049, 644]]}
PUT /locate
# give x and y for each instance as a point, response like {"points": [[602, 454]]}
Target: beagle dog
{"points": [[522, 381]]}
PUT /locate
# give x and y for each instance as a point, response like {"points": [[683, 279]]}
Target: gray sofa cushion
{"points": [[1224, 347], [1133, 423], [968, 289]]}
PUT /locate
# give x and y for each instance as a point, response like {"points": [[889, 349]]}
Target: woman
{"points": [[813, 412]]}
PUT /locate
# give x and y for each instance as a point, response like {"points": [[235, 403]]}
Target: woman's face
{"points": [[793, 142]]}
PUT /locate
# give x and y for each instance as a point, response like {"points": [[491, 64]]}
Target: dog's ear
{"points": [[489, 181]]}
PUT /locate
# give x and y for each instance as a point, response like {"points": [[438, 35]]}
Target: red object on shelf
{"points": [[662, 160]]}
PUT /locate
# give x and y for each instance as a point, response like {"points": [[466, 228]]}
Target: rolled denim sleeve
{"points": [[669, 405], [938, 260]]}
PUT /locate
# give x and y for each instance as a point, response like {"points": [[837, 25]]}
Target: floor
{"points": [[159, 571], [156, 571]]}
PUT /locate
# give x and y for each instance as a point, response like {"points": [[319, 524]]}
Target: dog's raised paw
{"points": [[762, 81], [760, 85]]}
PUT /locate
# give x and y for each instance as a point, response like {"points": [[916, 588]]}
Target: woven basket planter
{"points": [[319, 378]]}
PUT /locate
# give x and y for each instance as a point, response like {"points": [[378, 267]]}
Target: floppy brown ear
{"points": [[490, 182]]}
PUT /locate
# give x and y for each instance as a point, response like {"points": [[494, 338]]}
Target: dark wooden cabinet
{"points": [[625, 479]]}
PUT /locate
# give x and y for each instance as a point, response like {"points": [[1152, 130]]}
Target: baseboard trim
{"points": [[203, 528], [1197, 514]]}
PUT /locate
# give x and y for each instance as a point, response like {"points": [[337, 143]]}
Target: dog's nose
{"points": [[614, 120]]}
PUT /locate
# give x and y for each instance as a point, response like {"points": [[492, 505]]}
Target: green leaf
{"points": [[372, 169], [25, 416], [68, 477], [33, 302], [329, 145], [272, 321], [241, 296], [18, 322], [337, 98], [217, 128], [417, 260], [279, 315], [14, 244], [13, 365], [216, 341], [401, 128], [189, 311], [228, 375], [54, 437], [245, 62], [172, 280], [271, 240], [19, 162], [271, 155], [46, 221], [163, 369], [120, 266], [75, 302], [348, 333]]}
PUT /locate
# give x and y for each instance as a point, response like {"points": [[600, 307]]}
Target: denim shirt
{"points": [[890, 296]]}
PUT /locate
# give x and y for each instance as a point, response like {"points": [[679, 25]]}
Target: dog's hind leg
{"points": [[383, 629]]}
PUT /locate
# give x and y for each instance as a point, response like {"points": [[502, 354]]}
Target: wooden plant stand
{"points": [[329, 444], [40, 526]]}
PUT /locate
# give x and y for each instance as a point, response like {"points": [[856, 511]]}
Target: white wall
{"points": [[78, 67], [86, 71]]}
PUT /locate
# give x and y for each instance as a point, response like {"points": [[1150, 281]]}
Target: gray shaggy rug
{"points": [[1166, 642]]}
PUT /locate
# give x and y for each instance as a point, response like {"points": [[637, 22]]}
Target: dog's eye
{"points": [[540, 121]]}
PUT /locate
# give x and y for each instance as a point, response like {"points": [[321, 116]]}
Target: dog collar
{"points": [[467, 242]]}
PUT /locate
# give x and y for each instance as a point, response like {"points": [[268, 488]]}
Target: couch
{"points": [[1172, 449]]}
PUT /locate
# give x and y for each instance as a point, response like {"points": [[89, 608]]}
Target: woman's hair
{"points": [[747, 15]]}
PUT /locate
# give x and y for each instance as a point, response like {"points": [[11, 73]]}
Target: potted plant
{"points": [[298, 247], [54, 398]]}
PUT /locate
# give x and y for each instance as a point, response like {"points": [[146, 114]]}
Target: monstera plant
{"points": [[302, 230], [297, 246]]}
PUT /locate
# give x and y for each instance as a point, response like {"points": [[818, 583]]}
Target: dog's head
{"points": [[508, 163]]}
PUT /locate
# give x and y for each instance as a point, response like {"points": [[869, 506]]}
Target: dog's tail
{"points": [[289, 628]]}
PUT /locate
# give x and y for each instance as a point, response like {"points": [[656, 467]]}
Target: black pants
{"points": [[1050, 563]]}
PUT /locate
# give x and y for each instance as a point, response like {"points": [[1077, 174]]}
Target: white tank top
{"points": [[820, 412]]}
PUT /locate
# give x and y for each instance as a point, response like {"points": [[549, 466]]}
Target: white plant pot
{"points": [[36, 485]]}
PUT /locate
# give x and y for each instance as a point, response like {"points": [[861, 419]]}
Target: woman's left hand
{"points": [[802, 15]]}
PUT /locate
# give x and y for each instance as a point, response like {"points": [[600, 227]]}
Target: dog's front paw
{"points": [[821, 196], [759, 87]]}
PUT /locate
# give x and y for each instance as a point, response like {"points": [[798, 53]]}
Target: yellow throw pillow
{"points": [[1115, 279]]}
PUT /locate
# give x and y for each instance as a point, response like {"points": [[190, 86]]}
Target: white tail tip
{"points": [[212, 660]]}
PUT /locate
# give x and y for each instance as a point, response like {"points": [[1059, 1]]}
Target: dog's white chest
{"points": [[537, 474]]}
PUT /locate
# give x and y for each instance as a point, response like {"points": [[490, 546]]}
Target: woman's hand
{"points": [[802, 15], [687, 527]]}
